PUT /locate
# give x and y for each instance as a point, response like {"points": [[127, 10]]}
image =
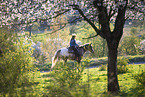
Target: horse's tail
{"points": [[55, 58]]}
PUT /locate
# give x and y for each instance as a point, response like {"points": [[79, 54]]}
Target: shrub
{"points": [[121, 65], [133, 31], [129, 45], [140, 79], [102, 68], [67, 81], [15, 63]]}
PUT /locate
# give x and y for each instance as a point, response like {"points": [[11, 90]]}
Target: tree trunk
{"points": [[113, 85]]}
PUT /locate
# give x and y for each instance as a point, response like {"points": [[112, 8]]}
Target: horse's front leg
{"points": [[65, 59], [79, 60]]}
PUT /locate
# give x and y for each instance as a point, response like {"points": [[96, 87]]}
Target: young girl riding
{"points": [[74, 46]]}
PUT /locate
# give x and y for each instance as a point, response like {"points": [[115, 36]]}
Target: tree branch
{"points": [[56, 30], [76, 7], [110, 15], [120, 21], [90, 37], [103, 19]]}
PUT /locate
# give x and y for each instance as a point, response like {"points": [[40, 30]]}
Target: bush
{"points": [[140, 79], [129, 45], [102, 68], [121, 65], [133, 31], [66, 81], [15, 63]]}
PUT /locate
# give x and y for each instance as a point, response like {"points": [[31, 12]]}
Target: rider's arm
{"points": [[75, 43]]}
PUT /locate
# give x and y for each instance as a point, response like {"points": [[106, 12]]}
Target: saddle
{"points": [[70, 50], [75, 53]]}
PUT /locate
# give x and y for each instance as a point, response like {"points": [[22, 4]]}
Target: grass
{"points": [[103, 60], [95, 61], [93, 83], [96, 81]]}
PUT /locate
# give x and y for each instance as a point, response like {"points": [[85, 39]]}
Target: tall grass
{"points": [[67, 81]]}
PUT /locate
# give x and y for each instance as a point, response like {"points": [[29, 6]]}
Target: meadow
{"points": [[67, 80], [24, 76]]}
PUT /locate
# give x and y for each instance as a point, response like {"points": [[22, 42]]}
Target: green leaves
{"points": [[66, 80], [122, 65], [15, 64]]}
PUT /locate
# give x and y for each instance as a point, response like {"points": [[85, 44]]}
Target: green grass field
{"points": [[71, 80], [93, 82]]}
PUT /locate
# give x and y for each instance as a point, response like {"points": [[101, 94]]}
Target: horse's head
{"points": [[89, 47]]}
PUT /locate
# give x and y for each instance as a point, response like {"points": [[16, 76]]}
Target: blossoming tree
{"points": [[25, 12]]}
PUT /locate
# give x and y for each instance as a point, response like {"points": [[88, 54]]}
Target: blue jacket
{"points": [[73, 42]]}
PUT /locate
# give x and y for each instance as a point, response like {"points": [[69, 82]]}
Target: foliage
{"points": [[66, 81], [52, 42], [15, 64], [121, 65], [133, 31], [129, 45], [140, 79], [136, 58], [83, 30], [93, 82], [35, 27], [44, 67], [142, 46], [93, 62], [27, 12], [103, 68], [17, 12], [143, 37]]}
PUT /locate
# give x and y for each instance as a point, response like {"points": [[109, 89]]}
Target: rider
{"points": [[74, 45]]}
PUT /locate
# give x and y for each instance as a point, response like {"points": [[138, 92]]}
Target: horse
{"points": [[64, 54]]}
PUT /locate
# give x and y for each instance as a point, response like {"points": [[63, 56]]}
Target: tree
{"points": [[104, 11], [91, 11]]}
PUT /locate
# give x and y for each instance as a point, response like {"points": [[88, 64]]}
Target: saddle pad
{"points": [[70, 50]]}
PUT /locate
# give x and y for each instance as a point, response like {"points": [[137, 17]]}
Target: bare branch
{"points": [[111, 9], [76, 7], [120, 21], [55, 30], [91, 37]]}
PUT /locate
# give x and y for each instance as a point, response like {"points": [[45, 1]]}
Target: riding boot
{"points": [[76, 52]]}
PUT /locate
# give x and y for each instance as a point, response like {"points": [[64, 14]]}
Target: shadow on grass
{"points": [[48, 80], [47, 75], [138, 91], [28, 84]]}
